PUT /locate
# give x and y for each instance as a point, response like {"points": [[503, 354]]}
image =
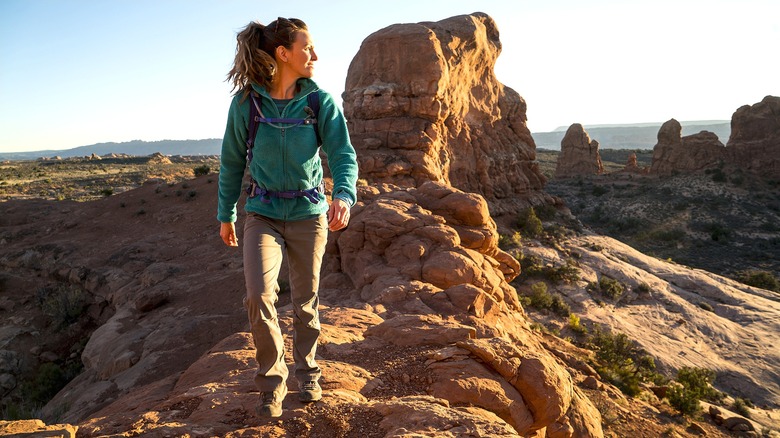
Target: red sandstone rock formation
{"points": [[423, 104], [754, 144], [674, 153], [632, 166], [579, 154]]}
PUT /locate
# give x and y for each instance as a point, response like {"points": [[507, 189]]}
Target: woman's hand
{"points": [[227, 231], [338, 214]]}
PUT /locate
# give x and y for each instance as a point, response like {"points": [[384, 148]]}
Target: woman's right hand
{"points": [[227, 230]]}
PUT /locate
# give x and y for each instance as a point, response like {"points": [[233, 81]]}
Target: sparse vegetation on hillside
{"points": [[85, 179], [722, 221]]}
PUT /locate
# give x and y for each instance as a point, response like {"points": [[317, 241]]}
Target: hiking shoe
{"points": [[310, 391], [270, 404]]}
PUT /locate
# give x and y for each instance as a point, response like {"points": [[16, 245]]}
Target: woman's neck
{"points": [[283, 86]]}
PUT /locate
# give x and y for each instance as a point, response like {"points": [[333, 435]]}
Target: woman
{"points": [[286, 210]]}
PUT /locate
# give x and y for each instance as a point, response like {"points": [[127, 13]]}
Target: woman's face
{"points": [[300, 57]]}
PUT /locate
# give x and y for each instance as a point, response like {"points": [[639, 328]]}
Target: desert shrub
{"points": [[565, 273], [599, 190], [741, 406], [530, 266], [759, 278], [717, 231], [63, 305], [718, 175], [665, 234], [509, 241], [48, 380], [643, 288], [202, 170], [575, 325], [557, 232], [529, 224], [559, 306], [627, 225], [540, 298], [12, 411], [107, 191], [684, 401], [621, 362], [694, 385], [546, 212], [609, 287]]}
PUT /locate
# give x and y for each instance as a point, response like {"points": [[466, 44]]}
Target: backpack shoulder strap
{"points": [[314, 104], [254, 119]]}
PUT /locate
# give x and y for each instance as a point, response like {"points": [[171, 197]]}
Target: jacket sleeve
{"points": [[342, 159], [232, 162]]}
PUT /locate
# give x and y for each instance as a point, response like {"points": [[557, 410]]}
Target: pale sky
{"points": [[79, 72]]}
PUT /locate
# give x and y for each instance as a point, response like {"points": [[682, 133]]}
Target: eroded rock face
{"points": [[674, 153], [579, 154], [423, 104], [754, 144]]}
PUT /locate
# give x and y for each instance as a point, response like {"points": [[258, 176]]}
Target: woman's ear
{"points": [[281, 53]]}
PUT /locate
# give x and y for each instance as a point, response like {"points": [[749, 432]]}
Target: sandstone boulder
{"points": [[579, 154], [676, 154], [423, 104], [754, 144]]}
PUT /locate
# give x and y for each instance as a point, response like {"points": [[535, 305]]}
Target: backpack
{"points": [[255, 118]]}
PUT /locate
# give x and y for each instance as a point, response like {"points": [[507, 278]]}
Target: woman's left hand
{"points": [[338, 214]]}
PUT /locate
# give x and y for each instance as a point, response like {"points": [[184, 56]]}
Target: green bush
{"points": [[694, 386], [608, 287], [507, 242], [540, 298], [576, 325], [759, 278], [531, 266], [546, 212], [741, 406], [64, 305], [529, 223], [621, 362], [201, 170]]}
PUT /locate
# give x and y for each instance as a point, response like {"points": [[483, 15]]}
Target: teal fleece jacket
{"points": [[284, 157]]}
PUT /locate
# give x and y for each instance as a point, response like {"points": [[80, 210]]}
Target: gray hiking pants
{"points": [[304, 241]]}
